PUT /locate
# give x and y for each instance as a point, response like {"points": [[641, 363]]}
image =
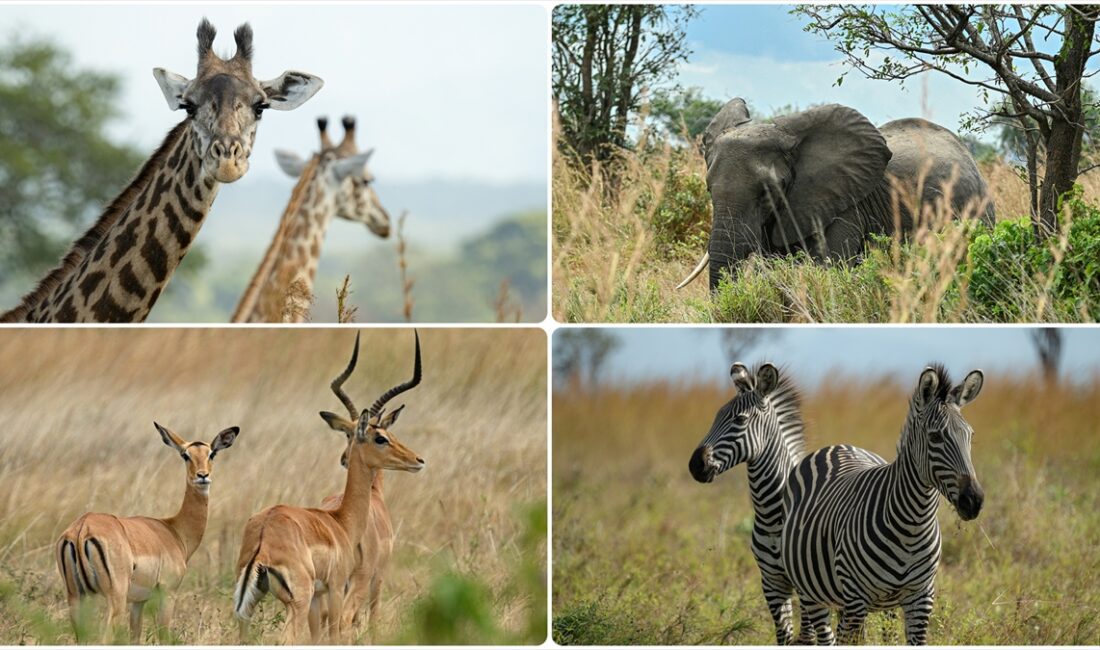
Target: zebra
{"points": [[761, 427], [861, 534]]}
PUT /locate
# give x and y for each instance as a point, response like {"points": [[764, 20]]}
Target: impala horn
{"points": [[338, 383], [376, 409]]}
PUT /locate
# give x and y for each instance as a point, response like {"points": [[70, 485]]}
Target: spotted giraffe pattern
{"points": [[119, 277]]}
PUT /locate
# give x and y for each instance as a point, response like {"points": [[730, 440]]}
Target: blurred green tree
{"points": [[604, 57], [676, 109], [57, 166]]}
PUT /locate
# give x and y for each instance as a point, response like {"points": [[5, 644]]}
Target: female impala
{"points": [[127, 559], [300, 553], [375, 547]]}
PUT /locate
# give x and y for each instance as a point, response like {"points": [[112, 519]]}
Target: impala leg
{"points": [[359, 588], [116, 608], [164, 617], [317, 618], [917, 611], [297, 622], [135, 622], [336, 618], [372, 612]]}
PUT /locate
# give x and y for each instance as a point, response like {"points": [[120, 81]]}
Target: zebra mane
{"points": [[787, 401]]}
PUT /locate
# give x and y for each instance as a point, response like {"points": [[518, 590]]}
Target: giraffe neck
{"points": [[287, 288], [118, 269]]}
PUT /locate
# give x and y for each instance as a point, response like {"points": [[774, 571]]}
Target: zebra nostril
{"points": [[698, 466]]}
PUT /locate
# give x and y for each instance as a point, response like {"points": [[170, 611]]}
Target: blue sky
{"points": [[760, 53], [696, 355]]}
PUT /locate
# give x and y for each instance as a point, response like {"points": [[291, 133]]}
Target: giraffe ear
{"points": [[351, 165], [290, 90], [290, 162], [173, 86]]}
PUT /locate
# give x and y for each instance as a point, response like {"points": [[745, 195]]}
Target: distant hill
{"points": [[460, 284]]}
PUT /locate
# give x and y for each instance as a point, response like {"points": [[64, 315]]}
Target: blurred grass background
{"points": [[645, 555], [76, 433]]}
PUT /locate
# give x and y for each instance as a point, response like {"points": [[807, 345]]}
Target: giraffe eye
{"points": [[259, 107], [188, 106]]}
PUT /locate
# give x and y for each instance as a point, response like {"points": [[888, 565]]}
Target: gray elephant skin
{"points": [[824, 180]]}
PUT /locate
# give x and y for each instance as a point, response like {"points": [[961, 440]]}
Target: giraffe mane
{"points": [[252, 293], [787, 400], [94, 235]]}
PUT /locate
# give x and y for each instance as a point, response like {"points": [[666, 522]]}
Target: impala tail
{"points": [[82, 561], [256, 579]]}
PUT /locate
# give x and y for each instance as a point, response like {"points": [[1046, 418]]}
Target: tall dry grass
{"points": [[613, 261], [76, 433], [644, 554]]}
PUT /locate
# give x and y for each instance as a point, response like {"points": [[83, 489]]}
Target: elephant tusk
{"points": [[694, 274]]}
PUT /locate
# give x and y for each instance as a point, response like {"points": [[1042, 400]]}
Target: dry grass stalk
{"points": [[507, 309], [345, 311], [403, 267]]}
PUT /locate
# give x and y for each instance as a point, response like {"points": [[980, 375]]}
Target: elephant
{"points": [[824, 180]]}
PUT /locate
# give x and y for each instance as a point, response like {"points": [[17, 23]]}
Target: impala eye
{"points": [[380, 440], [185, 457]]}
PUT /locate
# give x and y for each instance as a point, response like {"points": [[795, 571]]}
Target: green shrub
{"points": [[680, 218]]}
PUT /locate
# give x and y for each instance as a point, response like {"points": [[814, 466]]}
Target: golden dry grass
{"points": [[77, 407], [644, 554]]}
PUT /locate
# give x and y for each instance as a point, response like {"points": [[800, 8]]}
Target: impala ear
{"points": [[224, 440], [337, 423], [171, 439], [390, 418]]}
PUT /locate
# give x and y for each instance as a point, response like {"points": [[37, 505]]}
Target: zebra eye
{"points": [[741, 420], [936, 436]]}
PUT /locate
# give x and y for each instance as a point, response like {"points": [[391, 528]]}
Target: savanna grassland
{"points": [[645, 555], [76, 430], [625, 235]]}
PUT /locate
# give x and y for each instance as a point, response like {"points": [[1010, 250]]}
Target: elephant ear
{"points": [[733, 114], [838, 159]]}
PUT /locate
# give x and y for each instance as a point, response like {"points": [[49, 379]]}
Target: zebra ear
{"points": [[767, 378], [927, 385], [741, 378], [965, 392]]}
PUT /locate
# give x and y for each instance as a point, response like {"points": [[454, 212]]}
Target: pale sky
{"points": [[695, 355], [456, 92]]}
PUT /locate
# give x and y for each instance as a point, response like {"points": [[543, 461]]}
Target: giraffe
{"points": [[118, 268], [335, 181]]}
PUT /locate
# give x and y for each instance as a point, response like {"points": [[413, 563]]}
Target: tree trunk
{"points": [[1063, 146]]}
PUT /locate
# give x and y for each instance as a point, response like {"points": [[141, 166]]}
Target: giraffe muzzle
{"points": [[227, 160]]}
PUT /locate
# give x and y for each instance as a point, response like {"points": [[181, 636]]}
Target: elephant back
{"points": [[917, 143]]}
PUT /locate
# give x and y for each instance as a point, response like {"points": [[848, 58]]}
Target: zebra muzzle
{"points": [[971, 497], [702, 466]]}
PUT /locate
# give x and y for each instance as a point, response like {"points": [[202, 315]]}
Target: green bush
{"points": [[1007, 263], [680, 219]]}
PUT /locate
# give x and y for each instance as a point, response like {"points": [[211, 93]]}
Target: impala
{"points": [[128, 559], [314, 560]]}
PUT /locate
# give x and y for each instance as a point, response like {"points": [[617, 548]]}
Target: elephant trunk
{"points": [[735, 234]]}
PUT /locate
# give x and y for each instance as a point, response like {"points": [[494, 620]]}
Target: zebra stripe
{"points": [[862, 535], [761, 427]]}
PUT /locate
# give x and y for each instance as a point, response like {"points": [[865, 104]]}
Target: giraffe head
{"points": [[344, 171], [224, 101]]}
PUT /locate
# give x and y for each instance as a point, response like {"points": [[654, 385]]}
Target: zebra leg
{"points": [[818, 617], [777, 593], [814, 624], [917, 611], [853, 616]]}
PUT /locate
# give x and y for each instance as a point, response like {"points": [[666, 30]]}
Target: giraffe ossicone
{"points": [[116, 271]]}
